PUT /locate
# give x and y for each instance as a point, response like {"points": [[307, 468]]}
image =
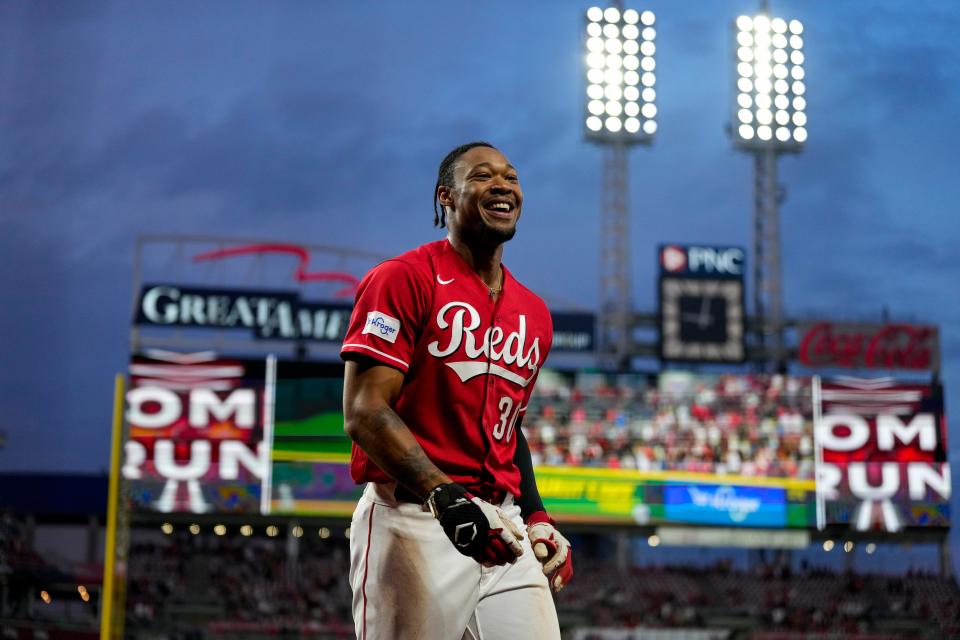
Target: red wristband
{"points": [[540, 516]]}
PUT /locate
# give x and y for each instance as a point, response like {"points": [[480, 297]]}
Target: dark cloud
{"points": [[326, 124]]}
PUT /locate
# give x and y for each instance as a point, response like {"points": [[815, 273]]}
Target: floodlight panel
{"points": [[768, 106], [619, 96]]}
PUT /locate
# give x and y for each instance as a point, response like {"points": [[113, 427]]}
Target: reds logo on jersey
{"points": [[462, 320]]}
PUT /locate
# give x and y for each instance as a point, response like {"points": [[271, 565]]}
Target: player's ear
{"points": [[445, 196]]}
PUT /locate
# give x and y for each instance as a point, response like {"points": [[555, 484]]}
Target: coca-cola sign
{"points": [[869, 346]]}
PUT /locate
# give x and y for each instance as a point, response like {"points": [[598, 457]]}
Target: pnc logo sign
{"points": [[674, 259], [702, 261]]}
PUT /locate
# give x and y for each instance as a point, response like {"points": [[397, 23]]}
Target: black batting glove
{"points": [[476, 528]]}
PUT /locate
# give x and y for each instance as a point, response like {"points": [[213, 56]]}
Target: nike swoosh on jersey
{"points": [[442, 281]]}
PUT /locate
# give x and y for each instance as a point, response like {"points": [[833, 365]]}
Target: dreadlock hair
{"points": [[445, 178]]}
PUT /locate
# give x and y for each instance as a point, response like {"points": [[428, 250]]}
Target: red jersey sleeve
{"points": [[388, 315]]}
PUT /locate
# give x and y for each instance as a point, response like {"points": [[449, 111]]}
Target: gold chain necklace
{"points": [[496, 292]]}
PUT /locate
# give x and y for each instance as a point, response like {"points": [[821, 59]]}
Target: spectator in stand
{"points": [[749, 425]]}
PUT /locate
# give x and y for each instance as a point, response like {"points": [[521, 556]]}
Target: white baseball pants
{"points": [[410, 583]]}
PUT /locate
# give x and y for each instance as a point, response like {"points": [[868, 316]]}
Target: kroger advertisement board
{"points": [[725, 505], [747, 451]]}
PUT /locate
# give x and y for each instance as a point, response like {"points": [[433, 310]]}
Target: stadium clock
{"points": [[701, 319]]}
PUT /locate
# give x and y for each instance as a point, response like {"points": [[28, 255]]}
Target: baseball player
{"points": [[450, 539]]}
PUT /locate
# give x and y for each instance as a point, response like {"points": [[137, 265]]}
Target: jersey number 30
{"points": [[508, 419]]}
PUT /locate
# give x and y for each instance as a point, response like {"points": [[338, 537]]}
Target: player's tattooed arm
{"points": [[369, 391], [416, 472]]}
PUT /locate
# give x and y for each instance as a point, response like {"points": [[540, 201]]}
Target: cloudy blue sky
{"points": [[324, 122]]}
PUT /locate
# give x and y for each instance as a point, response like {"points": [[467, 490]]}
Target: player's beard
{"points": [[496, 236]]}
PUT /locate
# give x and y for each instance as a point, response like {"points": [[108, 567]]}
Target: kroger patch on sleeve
{"points": [[382, 326]]}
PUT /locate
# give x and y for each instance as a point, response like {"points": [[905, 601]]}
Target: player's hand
{"points": [[476, 528], [551, 548]]}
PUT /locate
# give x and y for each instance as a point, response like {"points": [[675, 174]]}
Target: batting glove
{"points": [[476, 528], [551, 548]]}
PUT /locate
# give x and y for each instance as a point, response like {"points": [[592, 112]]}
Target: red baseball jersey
{"points": [[470, 361]]}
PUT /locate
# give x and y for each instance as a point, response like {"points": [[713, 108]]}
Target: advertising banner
{"points": [[699, 261], [271, 314], [725, 505], [621, 496], [268, 314], [869, 346], [883, 455], [574, 332], [683, 536]]}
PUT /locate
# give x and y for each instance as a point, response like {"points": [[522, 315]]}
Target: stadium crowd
{"points": [[238, 586], [769, 601], [184, 587], [39, 598], [751, 425], [253, 587]]}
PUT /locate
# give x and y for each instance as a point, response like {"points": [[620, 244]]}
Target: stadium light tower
{"points": [[769, 119], [619, 110]]}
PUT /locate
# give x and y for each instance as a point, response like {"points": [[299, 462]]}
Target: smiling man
{"points": [[450, 539]]}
